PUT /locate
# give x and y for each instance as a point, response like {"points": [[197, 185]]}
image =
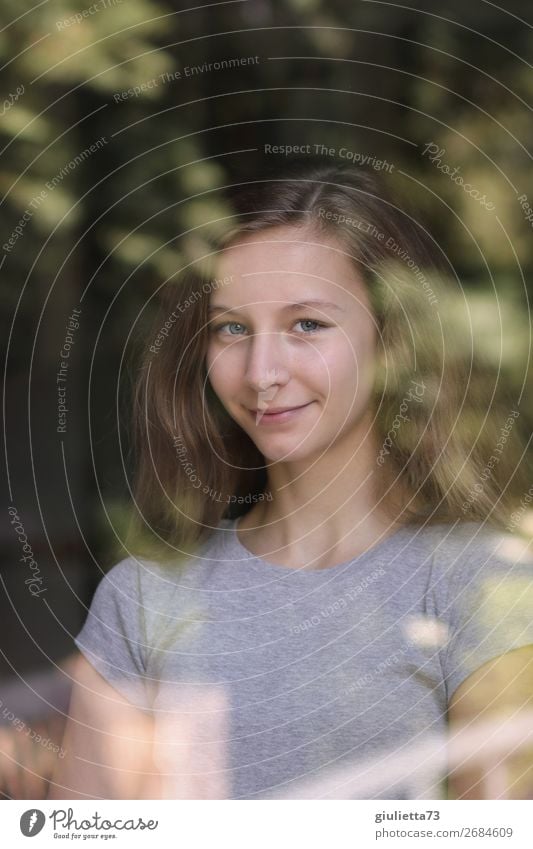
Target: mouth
{"points": [[277, 414]]}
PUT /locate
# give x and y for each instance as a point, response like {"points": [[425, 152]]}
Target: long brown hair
{"points": [[197, 466]]}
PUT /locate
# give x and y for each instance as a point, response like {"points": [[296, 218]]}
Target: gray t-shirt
{"points": [[282, 675]]}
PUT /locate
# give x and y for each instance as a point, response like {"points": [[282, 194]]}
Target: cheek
{"points": [[343, 362], [223, 369], [350, 370]]}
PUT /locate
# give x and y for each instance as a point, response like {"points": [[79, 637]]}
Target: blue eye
{"points": [[310, 321], [218, 327]]}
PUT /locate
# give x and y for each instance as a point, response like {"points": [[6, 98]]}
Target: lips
{"points": [[277, 415], [268, 411]]}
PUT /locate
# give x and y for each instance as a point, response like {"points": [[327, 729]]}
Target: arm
{"points": [[500, 689], [107, 743]]}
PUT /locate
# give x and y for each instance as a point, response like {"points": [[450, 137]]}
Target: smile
{"points": [[263, 417]]}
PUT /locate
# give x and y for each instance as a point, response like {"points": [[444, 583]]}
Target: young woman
{"points": [[321, 580]]}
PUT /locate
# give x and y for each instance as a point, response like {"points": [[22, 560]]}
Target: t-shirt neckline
{"points": [[377, 548]]}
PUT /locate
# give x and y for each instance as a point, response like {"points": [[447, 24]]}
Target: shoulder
{"points": [[465, 563], [483, 591], [127, 579], [471, 550], [135, 576], [120, 580]]}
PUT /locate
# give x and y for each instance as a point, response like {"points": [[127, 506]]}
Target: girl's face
{"points": [[269, 348]]}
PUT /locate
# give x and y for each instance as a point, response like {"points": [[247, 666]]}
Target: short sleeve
{"points": [[489, 603], [113, 636]]}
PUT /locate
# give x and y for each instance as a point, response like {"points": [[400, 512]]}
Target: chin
{"points": [[284, 453]]}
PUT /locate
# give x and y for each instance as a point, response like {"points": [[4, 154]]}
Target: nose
{"points": [[266, 367]]}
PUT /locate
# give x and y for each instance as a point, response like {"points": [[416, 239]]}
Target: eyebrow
{"points": [[288, 307]]}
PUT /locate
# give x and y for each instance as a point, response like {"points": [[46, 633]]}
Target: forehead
{"points": [[271, 259]]}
